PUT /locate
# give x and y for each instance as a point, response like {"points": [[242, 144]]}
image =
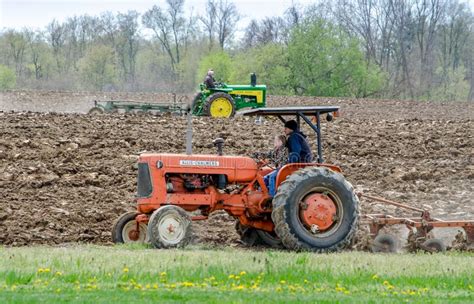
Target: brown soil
{"points": [[67, 177]]}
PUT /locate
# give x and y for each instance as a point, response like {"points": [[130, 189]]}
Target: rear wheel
{"points": [[96, 111], [169, 227], [220, 105], [315, 209], [125, 230]]}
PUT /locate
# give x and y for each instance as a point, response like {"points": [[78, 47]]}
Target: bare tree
{"points": [[108, 28], [56, 38], [269, 30], [227, 17], [128, 44], [170, 28], [209, 21], [17, 45], [35, 42], [427, 15]]}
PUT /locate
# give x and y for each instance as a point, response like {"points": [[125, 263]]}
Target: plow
{"points": [[419, 227], [315, 207], [221, 101]]}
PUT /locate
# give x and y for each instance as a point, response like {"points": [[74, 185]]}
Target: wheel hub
{"points": [[318, 211], [221, 107], [171, 229], [134, 235]]}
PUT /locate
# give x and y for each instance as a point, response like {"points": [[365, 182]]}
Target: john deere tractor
{"points": [[225, 99]]}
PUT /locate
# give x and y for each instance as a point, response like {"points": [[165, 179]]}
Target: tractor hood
{"points": [[236, 168]]}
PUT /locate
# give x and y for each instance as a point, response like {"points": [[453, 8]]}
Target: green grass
{"points": [[126, 274]]}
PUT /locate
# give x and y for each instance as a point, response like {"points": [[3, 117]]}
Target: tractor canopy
{"points": [[309, 114]]}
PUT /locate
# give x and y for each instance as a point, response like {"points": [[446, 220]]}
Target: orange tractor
{"points": [[315, 207]]}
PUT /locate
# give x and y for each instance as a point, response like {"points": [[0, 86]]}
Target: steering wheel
{"points": [[262, 161]]}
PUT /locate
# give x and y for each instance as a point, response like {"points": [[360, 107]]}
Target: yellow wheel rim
{"points": [[221, 107]]}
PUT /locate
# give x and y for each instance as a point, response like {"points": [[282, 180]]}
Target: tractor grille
{"points": [[144, 180]]}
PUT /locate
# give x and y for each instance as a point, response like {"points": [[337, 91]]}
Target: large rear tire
{"points": [[315, 209], [220, 105], [169, 227], [125, 230]]}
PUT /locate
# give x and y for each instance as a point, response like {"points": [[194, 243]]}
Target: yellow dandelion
{"points": [[163, 273], [58, 273], [242, 273], [47, 270], [306, 281], [125, 269], [282, 282], [231, 276], [279, 289], [375, 277]]}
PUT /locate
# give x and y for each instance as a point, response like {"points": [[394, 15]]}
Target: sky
{"points": [[38, 13]]}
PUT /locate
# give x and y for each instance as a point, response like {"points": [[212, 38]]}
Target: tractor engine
{"points": [[182, 183]]}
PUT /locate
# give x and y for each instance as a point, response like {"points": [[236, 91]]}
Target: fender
{"points": [[290, 168]]}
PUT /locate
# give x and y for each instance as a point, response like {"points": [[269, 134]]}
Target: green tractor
{"points": [[225, 99]]}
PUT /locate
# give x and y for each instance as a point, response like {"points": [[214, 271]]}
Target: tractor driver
{"points": [[298, 152], [209, 81], [298, 147]]}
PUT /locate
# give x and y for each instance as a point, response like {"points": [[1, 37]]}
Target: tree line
{"points": [[417, 49]]}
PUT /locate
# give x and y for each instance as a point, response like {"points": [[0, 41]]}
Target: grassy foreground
{"points": [[126, 274]]}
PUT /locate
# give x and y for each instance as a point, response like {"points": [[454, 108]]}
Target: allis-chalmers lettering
{"points": [[199, 163]]}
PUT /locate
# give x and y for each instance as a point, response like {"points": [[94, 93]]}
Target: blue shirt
{"points": [[298, 149]]}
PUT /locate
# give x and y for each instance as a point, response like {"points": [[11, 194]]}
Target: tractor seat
{"points": [[219, 144]]}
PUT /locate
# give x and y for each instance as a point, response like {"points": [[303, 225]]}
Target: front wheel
{"points": [[125, 230], [169, 227], [315, 209]]}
